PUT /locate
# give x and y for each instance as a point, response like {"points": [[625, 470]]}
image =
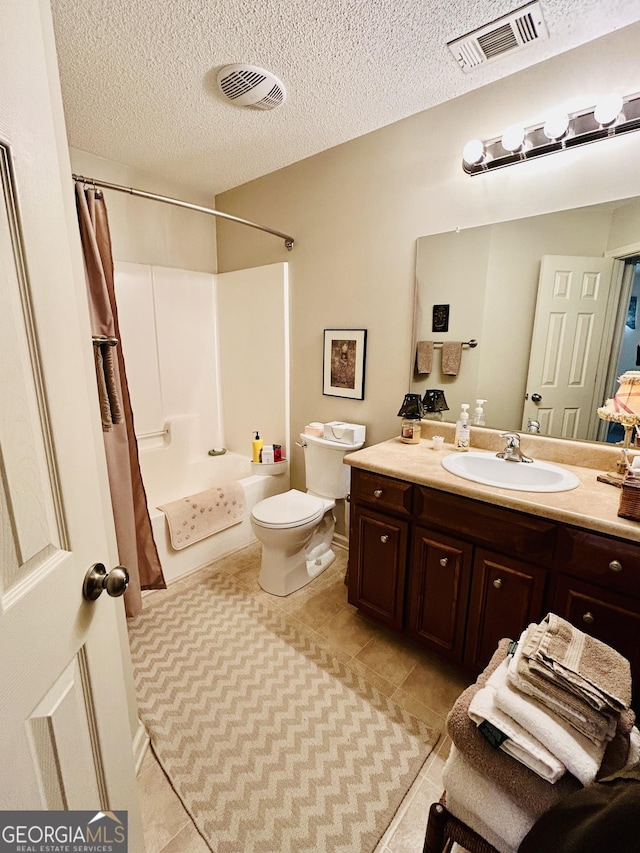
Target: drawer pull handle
{"points": [[384, 538], [615, 566], [377, 493], [444, 561], [497, 583], [588, 618]]}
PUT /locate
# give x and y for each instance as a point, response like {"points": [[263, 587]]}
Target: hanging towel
{"points": [[195, 517], [424, 357], [451, 357]]}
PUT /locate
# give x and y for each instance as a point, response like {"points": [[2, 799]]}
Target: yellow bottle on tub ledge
{"points": [[256, 447]]}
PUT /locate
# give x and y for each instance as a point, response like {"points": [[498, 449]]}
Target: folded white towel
{"points": [[483, 806], [520, 743], [577, 753]]}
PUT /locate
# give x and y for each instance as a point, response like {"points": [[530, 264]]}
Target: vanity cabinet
{"points": [[418, 562], [378, 536], [457, 574], [506, 596], [377, 565], [438, 591], [597, 589]]}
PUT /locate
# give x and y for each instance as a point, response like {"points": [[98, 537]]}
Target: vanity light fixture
{"points": [[513, 139], [473, 152], [613, 115], [556, 126], [608, 109]]}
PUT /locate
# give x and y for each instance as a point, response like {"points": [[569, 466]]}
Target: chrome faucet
{"points": [[512, 451], [533, 425]]}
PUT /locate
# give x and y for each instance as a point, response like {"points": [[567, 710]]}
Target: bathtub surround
{"points": [[258, 759], [193, 343], [136, 547]]}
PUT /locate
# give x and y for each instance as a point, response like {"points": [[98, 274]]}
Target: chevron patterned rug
{"points": [[271, 743]]}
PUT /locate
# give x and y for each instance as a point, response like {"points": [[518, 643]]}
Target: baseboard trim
{"points": [[140, 745], [340, 541]]}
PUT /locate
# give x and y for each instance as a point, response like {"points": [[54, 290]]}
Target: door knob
{"points": [[97, 578], [536, 398]]}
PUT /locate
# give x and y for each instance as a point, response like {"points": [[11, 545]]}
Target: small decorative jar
{"points": [[410, 429]]}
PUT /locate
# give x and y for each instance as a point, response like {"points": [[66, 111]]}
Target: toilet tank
{"points": [[326, 474]]}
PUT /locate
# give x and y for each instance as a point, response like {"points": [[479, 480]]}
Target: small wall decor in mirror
{"points": [[548, 296]]}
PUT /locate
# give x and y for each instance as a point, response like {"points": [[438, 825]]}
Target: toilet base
{"points": [[281, 580]]}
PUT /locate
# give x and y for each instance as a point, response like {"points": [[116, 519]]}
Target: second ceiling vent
{"points": [[250, 86], [511, 32]]}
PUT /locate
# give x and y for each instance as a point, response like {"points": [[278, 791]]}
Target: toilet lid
{"points": [[288, 509]]}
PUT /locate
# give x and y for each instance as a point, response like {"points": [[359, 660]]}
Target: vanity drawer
{"points": [[383, 492], [524, 536], [614, 563]]}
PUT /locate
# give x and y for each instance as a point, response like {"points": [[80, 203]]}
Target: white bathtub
{"points": [[173, 470]]}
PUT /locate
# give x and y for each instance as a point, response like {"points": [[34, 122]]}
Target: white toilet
{"points": [[296, 528]]}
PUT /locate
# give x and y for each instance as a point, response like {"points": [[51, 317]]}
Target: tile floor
{"points": [[415, 679]]}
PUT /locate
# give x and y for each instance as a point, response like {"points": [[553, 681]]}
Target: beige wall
{"points": [[356, 210], [150, 232]]}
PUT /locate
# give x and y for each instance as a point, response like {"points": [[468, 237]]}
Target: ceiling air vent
{"points": [[511, 32], [250, 86]]}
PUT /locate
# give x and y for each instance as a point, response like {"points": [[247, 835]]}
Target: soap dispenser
{"points": [[461, 441], [478, 413]]}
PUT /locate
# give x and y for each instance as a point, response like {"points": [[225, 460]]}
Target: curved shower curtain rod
{"points": [[288, 240]]}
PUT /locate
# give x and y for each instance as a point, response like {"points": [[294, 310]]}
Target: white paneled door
{"points": [[65, 731], [566, 376]]}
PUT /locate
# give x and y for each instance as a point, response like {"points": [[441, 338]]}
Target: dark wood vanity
{"points": [[456, 574]]}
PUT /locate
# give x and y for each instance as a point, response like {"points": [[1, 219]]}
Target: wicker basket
{"points": [[630, 499]]}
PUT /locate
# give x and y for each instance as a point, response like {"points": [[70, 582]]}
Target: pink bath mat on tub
{"points": [[195, 517]]}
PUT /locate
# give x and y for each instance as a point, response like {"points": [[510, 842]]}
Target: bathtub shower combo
{"points": [[177, 468]]}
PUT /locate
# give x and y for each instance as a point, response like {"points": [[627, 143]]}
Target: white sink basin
{"points": [[488, 469]]}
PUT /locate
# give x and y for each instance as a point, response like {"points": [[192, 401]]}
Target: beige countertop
{"points": [[592, 505]]}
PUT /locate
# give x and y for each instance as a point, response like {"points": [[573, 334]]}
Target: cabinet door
{"points": [[609, 617], [506, 595], [439, 575], [377, 560]]}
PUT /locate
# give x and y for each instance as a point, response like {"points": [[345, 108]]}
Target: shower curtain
{"points": [[136, 547]]}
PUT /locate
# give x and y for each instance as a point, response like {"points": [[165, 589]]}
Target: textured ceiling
{"points": [[138, 76]]}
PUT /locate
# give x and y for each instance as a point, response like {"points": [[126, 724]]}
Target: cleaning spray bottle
{"points": [[463, 432], [256, 447]]}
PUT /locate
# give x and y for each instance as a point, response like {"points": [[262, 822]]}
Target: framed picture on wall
{"points": [[344, 362]]}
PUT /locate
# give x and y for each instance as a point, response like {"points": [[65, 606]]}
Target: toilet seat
{"points": [[288, 509]]}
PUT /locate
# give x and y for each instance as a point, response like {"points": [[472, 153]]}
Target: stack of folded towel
{"points": [[547, 716]]}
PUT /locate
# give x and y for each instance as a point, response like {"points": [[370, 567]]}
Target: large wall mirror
{"points": [[552, 302]]}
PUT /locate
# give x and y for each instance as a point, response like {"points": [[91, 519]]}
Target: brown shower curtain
{"points": [[136, 548]]}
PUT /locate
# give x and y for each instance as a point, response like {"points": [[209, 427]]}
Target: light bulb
{"points": [[513, 138], [473, 152], [608, 109], [556, 126]]}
